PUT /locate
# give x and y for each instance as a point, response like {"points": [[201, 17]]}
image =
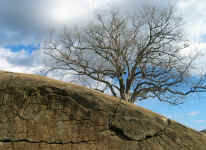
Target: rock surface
{"points": [[38, 113], [203, 131]]}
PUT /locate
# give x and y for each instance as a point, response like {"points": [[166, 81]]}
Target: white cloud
{"points": [[30, 25], [193, 113], [31, 63], [21, 61], [199, 121], [33, 19], [194, 14], [198, 52], [29, 21]]}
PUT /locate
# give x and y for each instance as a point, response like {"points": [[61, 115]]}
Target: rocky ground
{"points": [[38, 113]]}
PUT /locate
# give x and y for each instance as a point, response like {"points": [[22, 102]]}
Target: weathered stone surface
{"points": [[38, 113], [203, 131]]}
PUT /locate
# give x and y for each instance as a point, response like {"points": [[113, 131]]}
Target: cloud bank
{"points": [[29, 22], [21, 61]]}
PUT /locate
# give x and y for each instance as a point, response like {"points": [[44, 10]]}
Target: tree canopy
{"points": [[135, 57]]}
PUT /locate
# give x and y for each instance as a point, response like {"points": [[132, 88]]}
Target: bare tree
{"points": [[135, 57]]}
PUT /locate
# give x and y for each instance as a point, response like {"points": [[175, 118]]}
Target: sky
{"points": [[26, 24]]}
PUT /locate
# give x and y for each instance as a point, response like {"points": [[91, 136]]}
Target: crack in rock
{"points": [[8, 140], [120, 133]]}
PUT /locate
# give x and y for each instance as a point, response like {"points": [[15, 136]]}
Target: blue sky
{"points": [[29, 48], [26, 24], [191, 113]]}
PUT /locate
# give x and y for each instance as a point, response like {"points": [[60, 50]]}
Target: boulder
{"points": [[39, 113]]}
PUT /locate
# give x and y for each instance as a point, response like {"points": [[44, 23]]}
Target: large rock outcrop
{"points": [[38, 113]]}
